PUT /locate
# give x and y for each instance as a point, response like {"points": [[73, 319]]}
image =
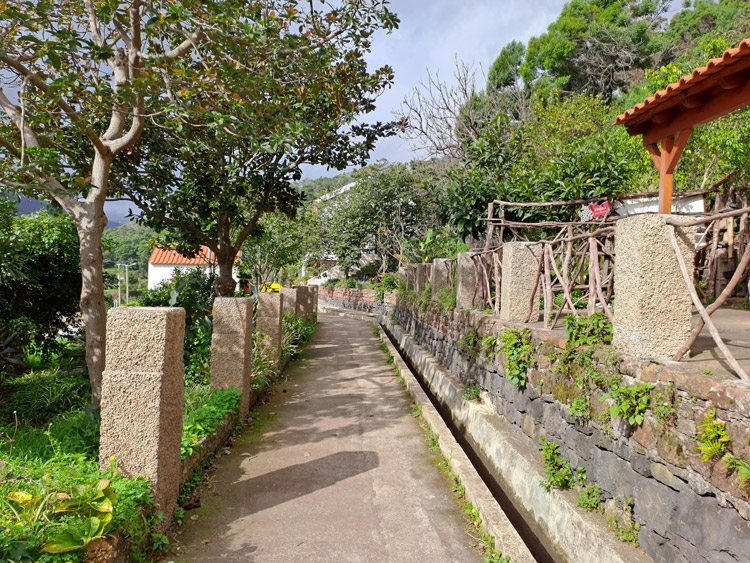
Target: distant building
{"points": [[164, 261]]}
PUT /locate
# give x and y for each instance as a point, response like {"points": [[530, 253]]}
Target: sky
{"points": [[432, 33]]}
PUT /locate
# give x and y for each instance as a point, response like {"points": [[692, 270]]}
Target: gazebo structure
{"points": [[666, 119]]}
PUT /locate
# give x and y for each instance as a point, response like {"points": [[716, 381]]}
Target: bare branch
{"points": [[93, 22]]}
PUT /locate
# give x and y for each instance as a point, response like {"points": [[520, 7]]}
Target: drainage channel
{"points": [[533, 539]]}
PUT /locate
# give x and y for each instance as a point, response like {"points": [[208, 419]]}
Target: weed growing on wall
{"points": [[472, 391], [590, 498], [425, 298], [627, 531], [518, 351], [713, 439], [662, 405], [469, 344], [583, 330], [741, 466], [558, 473], [630, 403], [446, 300], [489, 347]]}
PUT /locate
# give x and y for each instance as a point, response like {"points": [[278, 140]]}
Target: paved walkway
{"points": [[337, 471]]}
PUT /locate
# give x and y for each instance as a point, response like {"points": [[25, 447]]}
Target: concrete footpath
{"points": [[335, 470]]}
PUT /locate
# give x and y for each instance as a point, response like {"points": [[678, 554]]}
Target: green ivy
{"points": [[518, 352]]}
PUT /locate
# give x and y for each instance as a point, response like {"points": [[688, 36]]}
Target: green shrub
{"points": [[631, 403], [469, 344], [589, 498], [332, 283], [595, 329], [446, 299], [472, 391], [41, 395], [558, 473], [351, 283], [204, 419], [518, 352], [389, 282]]}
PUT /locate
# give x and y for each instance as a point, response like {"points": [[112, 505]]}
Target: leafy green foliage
{"points": [[472, 391], [446, 300], [662, 405], [583, 330], [558, 473], [203, 421], [41, 395], [589, 498], [626, 531], [127, 244], [425, 298], [631, 403], [518, 351], [489, 347], [389, 209], [40, 278], [742, 467], [469, 343], [295, 332], [388, 282], [712, 438]]}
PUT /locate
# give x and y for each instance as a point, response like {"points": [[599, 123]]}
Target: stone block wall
{"points": [[689, 510], [365, 300]]}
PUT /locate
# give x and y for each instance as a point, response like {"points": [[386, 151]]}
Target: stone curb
{"points": [[494, 520]]}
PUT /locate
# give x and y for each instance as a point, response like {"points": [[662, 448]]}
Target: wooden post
{"points": [[665, 159]]}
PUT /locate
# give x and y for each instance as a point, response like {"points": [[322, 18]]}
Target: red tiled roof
{"points": [[167, 256], [733, 60]]}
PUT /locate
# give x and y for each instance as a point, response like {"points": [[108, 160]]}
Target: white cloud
{"points": [[431, 35]]}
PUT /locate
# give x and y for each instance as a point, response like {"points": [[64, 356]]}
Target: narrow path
{"points": [[336, 471]]}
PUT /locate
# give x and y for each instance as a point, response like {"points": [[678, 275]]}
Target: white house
{"points": [[164, 261]]}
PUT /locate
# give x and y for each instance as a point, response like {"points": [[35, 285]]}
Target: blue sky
{"points": [[431, 35]]}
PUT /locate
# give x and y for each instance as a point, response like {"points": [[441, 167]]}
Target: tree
{"points": [[40, 278], [278, 243], [209, 183], [127, 244], [594, 45], [85, 76], [390, 205]]}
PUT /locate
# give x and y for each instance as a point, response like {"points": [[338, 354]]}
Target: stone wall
{"points": [[689, 510], [365, 300]]}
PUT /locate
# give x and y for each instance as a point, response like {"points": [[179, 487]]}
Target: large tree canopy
{"points": [[82, 78], [208, 183]]}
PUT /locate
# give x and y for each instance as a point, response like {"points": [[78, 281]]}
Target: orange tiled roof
{"points": [[738, 57], [170, 257]]}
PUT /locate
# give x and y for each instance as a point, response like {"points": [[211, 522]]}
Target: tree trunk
{"points": [[225, 283], [90, 220]]}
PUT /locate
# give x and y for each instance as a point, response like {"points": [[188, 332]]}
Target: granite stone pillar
{"points": [[467, 292], [291, 301], [306, 299], [402, 275], [411, 275], [519, 284], [441, 275], [269, 320], [314, 289], [232, 346], [420, 278], [143, 396], [653, 309]]}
